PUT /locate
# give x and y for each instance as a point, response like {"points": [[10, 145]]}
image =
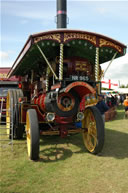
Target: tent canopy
{"points": [[122, 90]]}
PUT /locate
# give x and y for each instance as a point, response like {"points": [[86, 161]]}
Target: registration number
{"points": [[79, 78]]}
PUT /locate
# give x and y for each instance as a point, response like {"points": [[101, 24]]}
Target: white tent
{"points": [[117, 71], [122, 90]]}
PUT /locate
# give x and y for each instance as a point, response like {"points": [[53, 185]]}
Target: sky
{"points": [[19, 19]]}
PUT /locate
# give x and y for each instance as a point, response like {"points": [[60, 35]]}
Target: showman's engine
{"points": [[60, 79]]}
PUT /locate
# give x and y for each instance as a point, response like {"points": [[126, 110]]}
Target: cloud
{"points": [[5, 60], [6, 64], [40, 10], [24, 21], [102, 10], [118, 10], [3, 55], [6, 38]]}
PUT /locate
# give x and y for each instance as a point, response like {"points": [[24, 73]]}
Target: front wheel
{"points": [[93, 134], [32, 133]]}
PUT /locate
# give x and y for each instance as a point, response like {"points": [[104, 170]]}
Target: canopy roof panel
{"points": [[77, 43]]}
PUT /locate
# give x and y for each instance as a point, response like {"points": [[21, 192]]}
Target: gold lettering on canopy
{"points": [[104, 42], [83, 36], [56, 37]]}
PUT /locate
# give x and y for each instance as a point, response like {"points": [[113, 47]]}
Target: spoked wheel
{"points": [[12, 114], [18, 128], [93, 134], [32, 133]]}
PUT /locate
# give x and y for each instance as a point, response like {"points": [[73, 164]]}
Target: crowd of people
{"points": [[106, 102], [114, 100]]}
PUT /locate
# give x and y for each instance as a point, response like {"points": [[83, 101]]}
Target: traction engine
{"points": [[60, 75]]}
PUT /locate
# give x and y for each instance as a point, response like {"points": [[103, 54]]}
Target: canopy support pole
{"points": [[61, 63], [32, 76], [109, 64], [97, 64], [47, 79], [46, 60]]}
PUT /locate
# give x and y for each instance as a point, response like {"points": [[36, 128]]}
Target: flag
{"points": [[109, 84]]}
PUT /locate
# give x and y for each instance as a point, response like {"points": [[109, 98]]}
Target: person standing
{"points": [[121, 99], [125, 103], [101, 106]]}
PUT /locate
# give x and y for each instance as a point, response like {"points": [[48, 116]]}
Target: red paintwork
{"points": [[81, 88], [63, 120], [56, 86], [63, 131], [6, 82], [25, 107], [82, 104], [40, 101]]}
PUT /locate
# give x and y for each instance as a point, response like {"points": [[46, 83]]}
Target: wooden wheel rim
{"points": [[32, 134], [8, 119], [28, 134], [89, 135]]}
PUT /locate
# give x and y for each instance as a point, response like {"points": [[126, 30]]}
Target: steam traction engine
{"points": [[60, 79]]}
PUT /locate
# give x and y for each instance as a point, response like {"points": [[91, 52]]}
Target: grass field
{"points": [[66, 167]]}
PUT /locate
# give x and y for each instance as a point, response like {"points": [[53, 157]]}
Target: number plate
{"points": [[79, 78]]}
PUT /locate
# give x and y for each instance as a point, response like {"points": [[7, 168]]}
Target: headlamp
{"points": [[50, 117], [80, 116]]}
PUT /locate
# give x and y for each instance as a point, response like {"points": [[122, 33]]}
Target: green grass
{"points": [[66, 167]]}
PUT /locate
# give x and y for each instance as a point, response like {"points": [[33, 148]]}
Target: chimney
{"points": [[61, 13]]}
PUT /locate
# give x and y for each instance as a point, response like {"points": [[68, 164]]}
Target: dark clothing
{"points": [[113, 101], [126, 108], [102, 107]]}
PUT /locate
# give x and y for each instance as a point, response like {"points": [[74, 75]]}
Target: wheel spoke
{"points": [[90, 141], [93, 134]]}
